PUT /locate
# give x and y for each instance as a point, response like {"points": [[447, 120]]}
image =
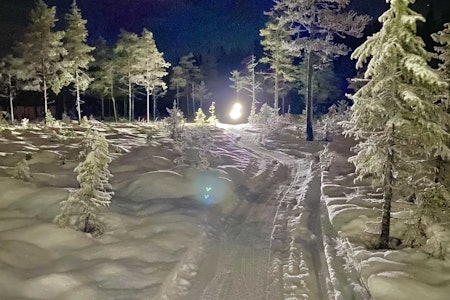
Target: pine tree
{"points": [[150, 69], [395, 116], [13, 74], [191, 73], [103, 71], [313, 26], [202, 94], [81, 208], [126, 60], [177, 81], [274, 36], [43, 52], [78, 52]]}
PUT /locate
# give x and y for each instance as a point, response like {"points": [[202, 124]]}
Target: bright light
{"points": [[237, 106], [235, 114], [236, 111]]}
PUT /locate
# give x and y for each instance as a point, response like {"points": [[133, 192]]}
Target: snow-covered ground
{"points": [[255, 225]]}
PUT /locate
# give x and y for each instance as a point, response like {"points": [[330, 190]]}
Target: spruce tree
{"points": [[395, 115], [443, 53], [78, 53], [43, 52], [80, 210]]}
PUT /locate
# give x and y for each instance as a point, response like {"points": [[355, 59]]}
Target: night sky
{"points": [[181, 26], [210, 27]]}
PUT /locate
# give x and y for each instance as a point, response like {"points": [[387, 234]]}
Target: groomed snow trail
{"points": [[271, 246]]}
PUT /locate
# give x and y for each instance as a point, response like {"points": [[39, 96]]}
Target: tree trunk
{"points": [[129, 97], [309, 100], [388, 183], [282, 104], [178, 96], [114, 108], [193, 101], [103, 107], [45, 98], [148, 104], [11, 99], [113, 99], [275, 92], [78, 97], [154, 104], [187, 104]]}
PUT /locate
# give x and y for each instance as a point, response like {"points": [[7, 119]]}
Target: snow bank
{"points": [[354, 212]]}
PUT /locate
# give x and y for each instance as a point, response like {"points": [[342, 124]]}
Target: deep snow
{"points": [[262, 223]]}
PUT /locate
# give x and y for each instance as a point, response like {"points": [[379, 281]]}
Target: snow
{"points": [[262, 223]]}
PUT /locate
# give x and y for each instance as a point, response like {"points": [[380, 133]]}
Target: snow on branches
{"points": [[81, 207]]}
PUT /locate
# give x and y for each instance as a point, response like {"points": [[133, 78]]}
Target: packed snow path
{"points": [[265, 239], [272, 246]]}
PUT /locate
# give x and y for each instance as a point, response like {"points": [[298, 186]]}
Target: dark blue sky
{"points": [[181, 26]]}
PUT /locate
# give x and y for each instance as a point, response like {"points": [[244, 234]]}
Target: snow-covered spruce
{"points": [[81, 207], [402, 131], [174, 123], [22, 170]]}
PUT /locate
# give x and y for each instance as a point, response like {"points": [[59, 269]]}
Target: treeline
{"points": [[50, 62]]}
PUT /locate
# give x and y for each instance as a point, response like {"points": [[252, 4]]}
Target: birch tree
{"points": [[395, 115]]}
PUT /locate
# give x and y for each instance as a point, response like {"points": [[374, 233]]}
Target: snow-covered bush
{"points": [[24, 122], [3, 122], [200, 118], [194, 146], [81, 207], [50, 120], [66, 119], [338, 114], [174, 123], [269, 117], [326, 158], [432, 200], [84, 122], [212, 120], [22, 170]]}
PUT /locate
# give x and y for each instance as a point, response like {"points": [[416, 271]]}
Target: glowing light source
{"points": [[236, 112]]}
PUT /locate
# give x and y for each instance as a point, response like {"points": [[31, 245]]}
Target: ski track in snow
{"points": [[276, 244]]}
